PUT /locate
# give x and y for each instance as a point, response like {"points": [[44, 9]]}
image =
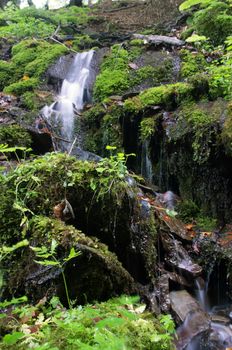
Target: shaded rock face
{"points": [[95, 275], [207, 181], [128, 230]]}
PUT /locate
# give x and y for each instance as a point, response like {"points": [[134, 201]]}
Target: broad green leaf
{"points": [[100, 169], [171, 213], [11, 339], [110, 148], [54, 245], [72, 254], [196, 38]]}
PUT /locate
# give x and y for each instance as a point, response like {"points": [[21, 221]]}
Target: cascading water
{"points": [[146, 164], [75, 91]]}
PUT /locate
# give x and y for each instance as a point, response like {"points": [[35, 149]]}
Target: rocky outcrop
{"points": [[94, 275]]}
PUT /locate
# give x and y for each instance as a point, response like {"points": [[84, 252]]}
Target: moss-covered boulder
{"points": [[94, 275], [189, 150], [98, 198]]}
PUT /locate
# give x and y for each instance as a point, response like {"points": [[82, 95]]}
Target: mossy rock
{"points": [[14, 135], [104, 204], [30, 60], [95, 275], [166, 95], [102, 128], [192, 63]]}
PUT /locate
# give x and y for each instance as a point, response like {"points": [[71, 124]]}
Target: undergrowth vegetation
{"points": [[35, 187], [119, 323]]}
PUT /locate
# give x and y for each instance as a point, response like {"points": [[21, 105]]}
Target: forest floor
{"points": [[134, 15]]}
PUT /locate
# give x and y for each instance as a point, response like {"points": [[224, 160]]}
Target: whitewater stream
{"points": [[63, 113]]}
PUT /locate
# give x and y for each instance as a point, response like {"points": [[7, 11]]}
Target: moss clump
{"points": [[147, 127], [6, 73], [192, 63], [102, 128], [22, 86], [137, 42], [166, 95], [114, 77], [14, 135], [38, 186], [187, 210], [226, 134], [201, 124], [214, 21], [30, 60], [82, 42]]}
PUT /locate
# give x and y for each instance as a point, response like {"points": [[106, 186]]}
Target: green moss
{"points": [[214, 21], [31, 58], [40, 23], [187, 210], [111, 82], [6, 73], [192, 63], [147, 128], [166, 95], [22, 86], [137, 42], [206, 223], [195, 120], [14, 135], [102, 128], [114, 77], [226, 134], [82, 42], [46, 181]]}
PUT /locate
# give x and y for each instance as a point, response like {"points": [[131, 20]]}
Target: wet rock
{"points": [[94, 275], [187, 310], [85, 155], [59, 70], [159, 40], [182, 303], [178, 258], [171, 224]]}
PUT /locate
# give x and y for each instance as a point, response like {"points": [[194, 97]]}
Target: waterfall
{"points": [[62, 113], [146, 164]]}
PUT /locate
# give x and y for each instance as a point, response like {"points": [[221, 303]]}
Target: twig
{"points": [[71, 148], [58, 42]]}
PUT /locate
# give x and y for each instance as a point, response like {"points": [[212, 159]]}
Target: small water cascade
{"points": [[146, 164], [219, 335], [75, 91], [201, 290]]}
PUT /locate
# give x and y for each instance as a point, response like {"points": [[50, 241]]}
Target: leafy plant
{"points": [[48, 258], [119, 323], [111, 170], [5, 251]]}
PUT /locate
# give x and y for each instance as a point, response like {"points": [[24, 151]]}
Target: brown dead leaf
{"points": [[58, 210], [189, 227]]}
